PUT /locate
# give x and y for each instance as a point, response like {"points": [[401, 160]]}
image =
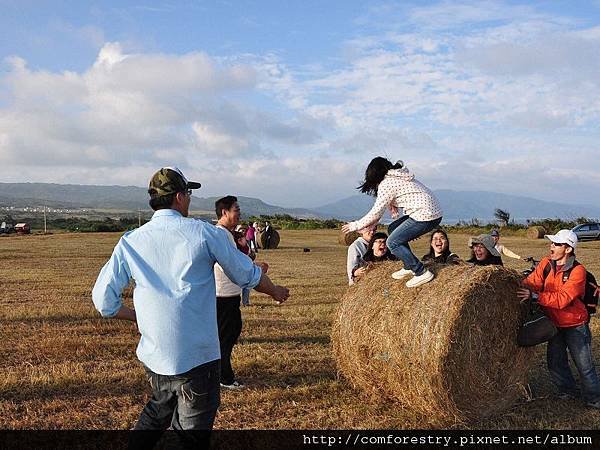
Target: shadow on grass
{"points": [[59, 319], [287, 380], [66, 390], [322, 340]]}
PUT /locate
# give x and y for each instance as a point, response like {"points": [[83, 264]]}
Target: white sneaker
{"points": [[234, 385], [398, 275], [415, 281]]}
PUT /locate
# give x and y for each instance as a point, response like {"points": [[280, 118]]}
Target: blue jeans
{"points": [[401, 232], [579, 342]]}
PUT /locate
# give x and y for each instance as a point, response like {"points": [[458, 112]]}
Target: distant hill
{"points": [[465, 205], [130, 198], [457, 205], [73, 196]]}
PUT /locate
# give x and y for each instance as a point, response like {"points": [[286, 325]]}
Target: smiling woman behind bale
{"points": [[447, 351]]}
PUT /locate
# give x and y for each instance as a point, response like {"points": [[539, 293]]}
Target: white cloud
{"points": [[122, 109], [472, 95], [217, 143]]}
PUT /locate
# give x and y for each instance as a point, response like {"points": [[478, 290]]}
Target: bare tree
{"points": [[502, 216]]}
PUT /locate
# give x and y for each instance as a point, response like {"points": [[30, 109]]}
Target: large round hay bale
{"points": [[262, 240], [347, 239], [536, 232], [446, 350]]}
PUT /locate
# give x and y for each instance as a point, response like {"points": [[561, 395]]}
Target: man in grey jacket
{"points": [[356, 251]]}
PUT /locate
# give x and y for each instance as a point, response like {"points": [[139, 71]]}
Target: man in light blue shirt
{"points": [[171, 260]]}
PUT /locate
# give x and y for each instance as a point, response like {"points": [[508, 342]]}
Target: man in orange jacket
{"points": [[560, 294]]}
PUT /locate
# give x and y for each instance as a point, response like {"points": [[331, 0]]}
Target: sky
{"points": [[288, 101]]}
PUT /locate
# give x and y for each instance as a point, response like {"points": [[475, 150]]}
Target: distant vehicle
{"points": [[23, 228], [6, 228], [587, 231]]}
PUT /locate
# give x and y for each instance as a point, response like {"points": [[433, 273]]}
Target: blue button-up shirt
{"points": [[171, 259]]}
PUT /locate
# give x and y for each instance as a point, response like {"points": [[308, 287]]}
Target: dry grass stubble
{"points": [[65, 367]]}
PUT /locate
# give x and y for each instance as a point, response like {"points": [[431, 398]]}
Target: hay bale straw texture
{"points": [[536, 232], [275, 239], [446, 350], [347, 239]]}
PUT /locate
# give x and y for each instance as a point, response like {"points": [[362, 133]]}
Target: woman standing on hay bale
{"points": [[439, 249], [395, 187], [377, 251], [483, 252]]}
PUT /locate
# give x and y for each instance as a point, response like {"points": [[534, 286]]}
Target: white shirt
{"points": [[226, 287]]}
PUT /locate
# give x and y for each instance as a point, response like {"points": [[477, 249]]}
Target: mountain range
{"points": [[457, 205]]}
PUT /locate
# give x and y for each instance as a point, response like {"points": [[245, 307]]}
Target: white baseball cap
{"points": [[563, 237]]}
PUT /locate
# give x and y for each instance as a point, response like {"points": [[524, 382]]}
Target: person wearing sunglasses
{"points": [[559, 280]]}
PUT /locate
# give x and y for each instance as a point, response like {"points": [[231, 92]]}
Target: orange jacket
{"points": [[561, 301]]}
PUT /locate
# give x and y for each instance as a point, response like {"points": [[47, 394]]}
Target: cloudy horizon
{"points": [[288, 103]]}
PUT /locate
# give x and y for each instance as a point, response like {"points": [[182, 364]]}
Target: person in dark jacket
{"points": [[483, 252], [439, 249], [377, 251]]}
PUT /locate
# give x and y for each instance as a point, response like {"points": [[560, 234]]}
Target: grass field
{"points": [[64, 367]]}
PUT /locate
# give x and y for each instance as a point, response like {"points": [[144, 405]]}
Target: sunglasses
{"points": [[559, 244]]}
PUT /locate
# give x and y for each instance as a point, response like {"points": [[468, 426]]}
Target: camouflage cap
{"points": [[169, 180]]}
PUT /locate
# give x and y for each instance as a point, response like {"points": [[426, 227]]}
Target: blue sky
{"points": [[289, 101]]}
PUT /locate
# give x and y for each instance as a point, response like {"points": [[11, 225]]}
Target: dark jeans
{"points": [[188, 401], [401, 232], [229, 319], [579, 342]]}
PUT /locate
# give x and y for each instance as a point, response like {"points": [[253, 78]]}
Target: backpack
{"points": [[589, 299]]}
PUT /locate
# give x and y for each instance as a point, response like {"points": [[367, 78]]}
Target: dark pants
{"points": [[187, 401], [579, 342], [229, 319]]}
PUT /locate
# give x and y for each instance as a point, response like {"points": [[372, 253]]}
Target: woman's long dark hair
{"points": [[446, 252], [375, 173]]}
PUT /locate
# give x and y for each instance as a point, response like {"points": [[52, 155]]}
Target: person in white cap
{"points": [[559, 280]]}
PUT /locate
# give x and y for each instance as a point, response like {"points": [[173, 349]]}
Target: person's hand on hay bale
{"points": [[523, 294], [358, 273]]}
